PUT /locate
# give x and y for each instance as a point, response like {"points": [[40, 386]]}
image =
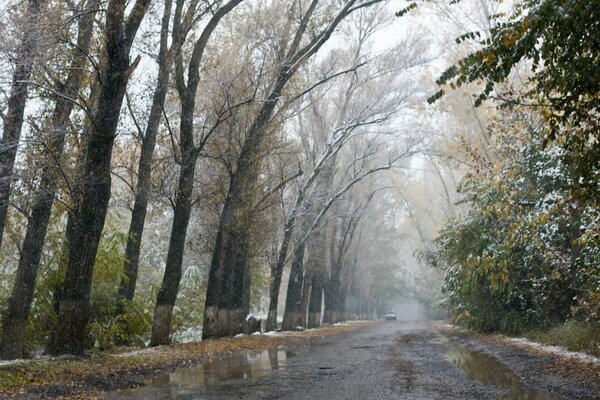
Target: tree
{"points": [[13, 120], [17, 313], [95, 189]]}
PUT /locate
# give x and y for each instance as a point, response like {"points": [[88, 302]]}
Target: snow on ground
{"points": [[348, 323], [559, 351], [37, 356], [273, 333], [556, 350], [10, 363]]}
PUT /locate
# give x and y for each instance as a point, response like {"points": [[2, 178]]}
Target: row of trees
{"points": [[214, 117]]}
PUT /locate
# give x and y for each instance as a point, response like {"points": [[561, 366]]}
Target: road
{"points": [[387, 360]]}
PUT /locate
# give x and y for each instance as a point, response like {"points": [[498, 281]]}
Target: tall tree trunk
{"points": [[315, 301], [14, 326], [165, 301], [163, 312], [144, 182], [276, 274], [306, 290], [90, 213], [333, 296], [317, 269], [293, 315], [330, 288], [349, 299], [13, 121], [343, 314], [74, 192]]}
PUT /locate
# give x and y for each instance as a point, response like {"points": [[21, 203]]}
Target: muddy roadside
{"points": [[92, 376], [572, 375]]}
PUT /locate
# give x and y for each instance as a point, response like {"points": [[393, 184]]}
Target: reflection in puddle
{"points": [[486, 369], [239, 366], [185, 380]]}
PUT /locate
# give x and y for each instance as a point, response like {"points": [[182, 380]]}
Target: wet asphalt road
{"points": [[387, 360]]}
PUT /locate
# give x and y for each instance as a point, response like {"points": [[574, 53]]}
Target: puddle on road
{"points": [[186, 380], [486, 369]]}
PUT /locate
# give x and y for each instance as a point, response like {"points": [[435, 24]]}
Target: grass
{"points": [[572, 335]]}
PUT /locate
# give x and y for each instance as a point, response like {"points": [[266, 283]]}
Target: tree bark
{"points": [[165, 301], [318, 268], [277, 273], [308, 277], [14, 326], [90, 213], [333, 297], [344, 309], [315, 301], [293, 315], [13, 121]]}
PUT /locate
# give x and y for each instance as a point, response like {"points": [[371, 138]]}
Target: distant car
{"points": [[390, 316]]}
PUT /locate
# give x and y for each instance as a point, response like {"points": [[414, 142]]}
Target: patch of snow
{"points": [[193, 334], [256, 334], [250, 316], [557, 350], [300, 328], [272, 333], [239, 335], [38, 356], [9, 363]]}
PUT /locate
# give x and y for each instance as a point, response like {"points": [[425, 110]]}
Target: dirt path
{"points": [[402, 360]]}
